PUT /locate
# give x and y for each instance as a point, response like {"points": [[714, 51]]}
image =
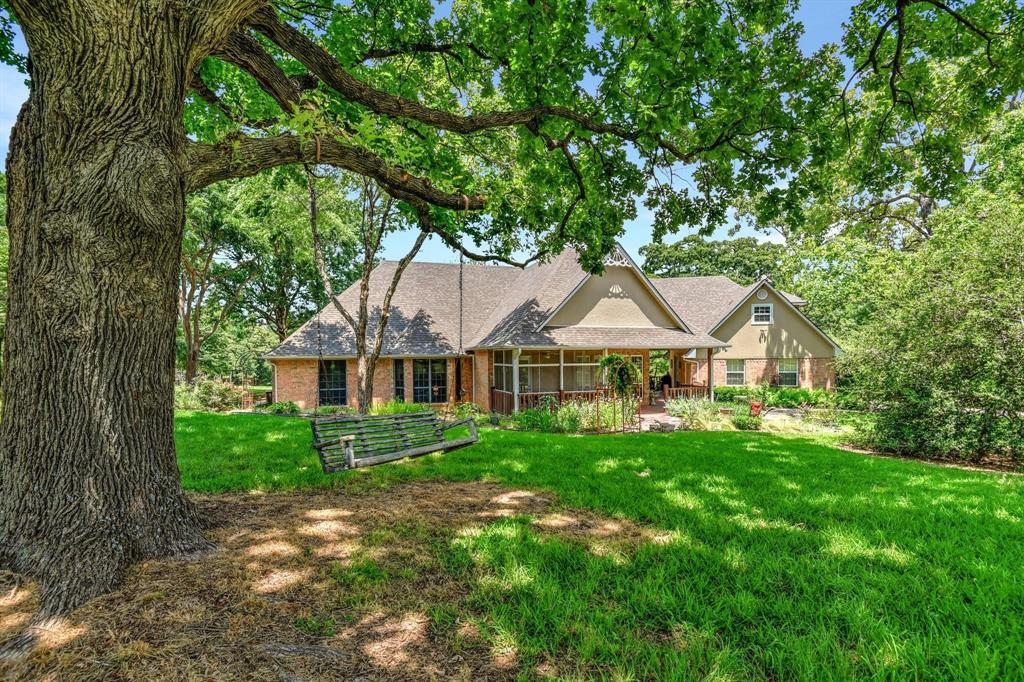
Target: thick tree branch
{"points": [[244, 52], [245, 156], [331, 72]]}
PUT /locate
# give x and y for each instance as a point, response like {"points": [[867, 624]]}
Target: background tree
{"points": [[942, 357], [929, 77], [285, 288], [378, 216], [217, 262], [743, 260], [837, 278], [237, 350]]}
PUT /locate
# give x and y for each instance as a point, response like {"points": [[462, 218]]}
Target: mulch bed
{"points": [[258, 606]]}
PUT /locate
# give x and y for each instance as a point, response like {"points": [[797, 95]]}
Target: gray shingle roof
{"points": [[424, 316], [504, 306], [702, 302]]}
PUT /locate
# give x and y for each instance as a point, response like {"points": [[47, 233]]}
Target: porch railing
{"points": [[689, 392], [502, 402]]}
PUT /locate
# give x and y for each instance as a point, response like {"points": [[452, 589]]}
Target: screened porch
{"points": [[530, 378]]}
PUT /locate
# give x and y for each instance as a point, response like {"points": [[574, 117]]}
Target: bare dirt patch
{"points": [[303, 586]]}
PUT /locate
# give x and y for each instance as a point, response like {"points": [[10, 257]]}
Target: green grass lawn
{"points": [[787, 558]]}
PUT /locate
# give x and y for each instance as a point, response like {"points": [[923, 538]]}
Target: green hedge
{"points": [[787, 397]]}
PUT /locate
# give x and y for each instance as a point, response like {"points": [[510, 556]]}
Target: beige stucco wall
{"points": [[789, 336], [615, 299]]}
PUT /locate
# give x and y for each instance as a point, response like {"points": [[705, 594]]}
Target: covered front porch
{"points": [[522, 378]]}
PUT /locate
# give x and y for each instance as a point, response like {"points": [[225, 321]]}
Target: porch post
{"points": [[561, 370], [561, 375], [515, 379], [711, 374]]}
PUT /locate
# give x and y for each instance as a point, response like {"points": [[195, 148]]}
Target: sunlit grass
{"points": [[769, 556]]}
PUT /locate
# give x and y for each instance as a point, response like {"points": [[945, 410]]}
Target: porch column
{"points": [[711, 374], [561, 370], [515, 379]]}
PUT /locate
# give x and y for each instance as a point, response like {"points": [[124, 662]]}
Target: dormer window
{"points": [[762, 313]]}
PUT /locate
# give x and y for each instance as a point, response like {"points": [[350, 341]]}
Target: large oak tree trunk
{"points": [[88, 476]]}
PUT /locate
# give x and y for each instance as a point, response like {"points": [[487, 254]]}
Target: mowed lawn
{"points": [[770, 557]]}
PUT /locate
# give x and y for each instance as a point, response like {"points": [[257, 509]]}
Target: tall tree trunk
{"points": [[364, 382], [191, 363], [88, 476]]}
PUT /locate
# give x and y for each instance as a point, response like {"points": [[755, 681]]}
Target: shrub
{"points": [[729, 394], [335, 409], [781, 396], [942, 361], [398, 407], [208, 394], [745, 422], [695, 415], [535, 419], [469, 410], [574, 416], [185, 398], [286, 407]]}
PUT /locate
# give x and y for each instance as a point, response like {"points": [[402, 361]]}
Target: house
{"points": [[511, 336]]}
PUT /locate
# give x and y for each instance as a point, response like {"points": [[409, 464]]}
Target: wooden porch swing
{"points": [[352, 441]]}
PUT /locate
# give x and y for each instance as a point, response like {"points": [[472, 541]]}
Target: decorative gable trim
{"points": [[619, 258]]}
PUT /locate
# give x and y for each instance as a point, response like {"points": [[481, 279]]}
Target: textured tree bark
{"points": [[88, 477]]}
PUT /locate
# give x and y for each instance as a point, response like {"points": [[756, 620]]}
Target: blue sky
{"points": [[822, 21]]}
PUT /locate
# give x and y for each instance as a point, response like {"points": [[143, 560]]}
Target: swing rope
{"points": [[462, 267], [313, 216]]}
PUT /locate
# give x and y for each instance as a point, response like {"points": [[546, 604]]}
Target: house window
{"points": [[503, 370], [762, 313], [735, 373], [430, 381], [789, 372], [398, 369], [332, 383]]}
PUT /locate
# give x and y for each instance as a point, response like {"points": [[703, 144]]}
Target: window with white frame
{"points": [[762, 313], [789, 372], [429, 380], [503, 370], [735, 373]]}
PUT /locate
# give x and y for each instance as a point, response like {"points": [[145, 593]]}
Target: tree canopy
{"points": [[548, 121], [744, 259]]}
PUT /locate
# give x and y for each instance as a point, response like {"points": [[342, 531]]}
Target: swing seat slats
{"points": [[353, 441]]}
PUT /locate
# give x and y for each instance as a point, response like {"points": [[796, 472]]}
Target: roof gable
{"points": [[622, 296], [765, 283]]}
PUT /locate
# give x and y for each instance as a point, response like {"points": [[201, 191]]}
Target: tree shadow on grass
{"points": [[790, 555], [313, 585]]}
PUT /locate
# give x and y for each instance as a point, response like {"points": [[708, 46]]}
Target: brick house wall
{"points": [[813, 372], [295, 380], [483, 379]]}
